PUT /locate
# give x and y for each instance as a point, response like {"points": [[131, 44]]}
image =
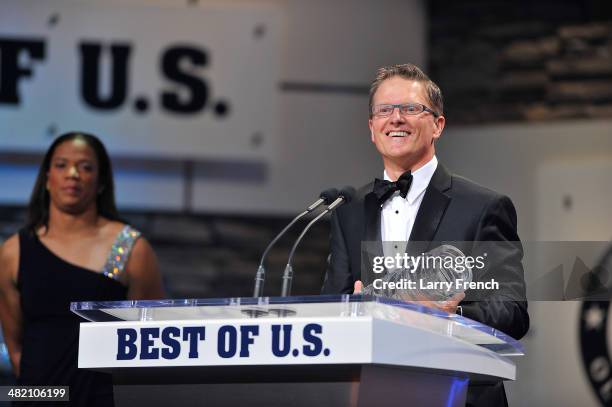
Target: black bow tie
{"points": [[384, 189]]}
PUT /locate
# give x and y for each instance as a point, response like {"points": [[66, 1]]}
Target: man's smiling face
{"points": [[403, 139]]}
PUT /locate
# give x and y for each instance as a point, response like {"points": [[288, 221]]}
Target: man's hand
{"points": [[449, 305]]}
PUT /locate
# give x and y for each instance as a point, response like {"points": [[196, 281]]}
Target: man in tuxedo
{"points": [[419, 200]]}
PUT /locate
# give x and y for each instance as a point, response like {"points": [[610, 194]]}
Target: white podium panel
{"points": [[353, 330], [365, 345]]}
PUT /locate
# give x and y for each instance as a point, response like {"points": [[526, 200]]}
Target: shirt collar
{"points": [[420, 179]]}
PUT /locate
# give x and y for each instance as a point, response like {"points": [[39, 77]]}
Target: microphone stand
{"points": [[288, 274], [260, 277], [346, 195]]}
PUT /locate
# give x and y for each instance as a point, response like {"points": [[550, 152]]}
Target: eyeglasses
{"points": [[412, 109]]}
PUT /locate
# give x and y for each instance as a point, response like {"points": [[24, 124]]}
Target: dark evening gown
{"points": [[47, 284]]}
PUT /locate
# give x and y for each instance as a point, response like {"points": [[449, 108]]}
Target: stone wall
{"points": [[522, 61]]}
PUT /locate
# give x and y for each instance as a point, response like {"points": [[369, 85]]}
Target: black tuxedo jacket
{"points": [[453, 209]]}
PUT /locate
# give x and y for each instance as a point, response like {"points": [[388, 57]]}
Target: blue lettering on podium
{"points": [[316, 343], [147, 351], [174, 347], [246, 339], [226, 341], [126, 343], [127, 339], [193, 334], [276, 346]]}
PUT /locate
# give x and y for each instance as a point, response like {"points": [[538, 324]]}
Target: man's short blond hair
{"points": [[412, 72]]}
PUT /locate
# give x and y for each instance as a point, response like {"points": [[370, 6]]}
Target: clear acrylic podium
{"points": [[294, 351]]}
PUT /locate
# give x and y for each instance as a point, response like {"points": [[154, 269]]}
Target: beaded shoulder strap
{"points": [[120, 252]]}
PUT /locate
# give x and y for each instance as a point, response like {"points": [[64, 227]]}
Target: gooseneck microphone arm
{"points": [[346, 195], [260, 276], [288, 274], [324, 198]]}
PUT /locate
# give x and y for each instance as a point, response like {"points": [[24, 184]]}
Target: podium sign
{"points": [[339, 338], [224, 343]]}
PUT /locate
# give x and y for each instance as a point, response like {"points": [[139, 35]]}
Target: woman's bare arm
{"points": [[10, 308], [144, 278]]}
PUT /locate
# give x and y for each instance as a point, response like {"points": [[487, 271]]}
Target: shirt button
{"points": [[396, 211]]}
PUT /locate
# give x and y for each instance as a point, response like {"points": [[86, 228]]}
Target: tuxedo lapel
{"points": [[431, 210], [372, 218], [371, 234]]}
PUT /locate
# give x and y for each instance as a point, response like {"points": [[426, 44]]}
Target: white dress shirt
{"points": [[398, 214]]}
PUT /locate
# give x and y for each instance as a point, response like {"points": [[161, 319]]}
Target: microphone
{"points": [[325, 197], [345, 196]]}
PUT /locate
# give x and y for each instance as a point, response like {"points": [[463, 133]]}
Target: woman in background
{"points": [[74, 247]]}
